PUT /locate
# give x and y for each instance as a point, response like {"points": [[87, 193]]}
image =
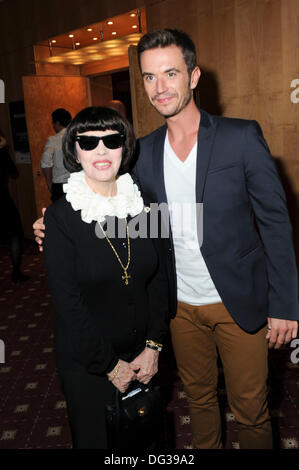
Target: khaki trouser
{"points": [[197, 333]]}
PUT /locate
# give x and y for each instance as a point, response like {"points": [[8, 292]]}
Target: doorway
{"points": [[113, 86]]}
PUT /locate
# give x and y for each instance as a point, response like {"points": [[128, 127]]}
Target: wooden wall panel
{"points": [[42, 96], [172, 14], [224, 24], [13, 66], [115, 64], [145, 118], [268, 18], [101, 90]]}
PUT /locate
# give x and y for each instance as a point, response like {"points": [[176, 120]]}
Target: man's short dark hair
{"points": [[62, 116], [98, 118], [170, 37]]}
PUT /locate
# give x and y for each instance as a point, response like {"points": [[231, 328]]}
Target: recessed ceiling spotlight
{"points": [[133, 14], [114, 33], [89, 29], [71, 35], [109, 22], [95, 39], [54, 40], [77, 43], [134, 26]]}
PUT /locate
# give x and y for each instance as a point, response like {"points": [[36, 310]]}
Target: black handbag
{"points": [[135, 420]]}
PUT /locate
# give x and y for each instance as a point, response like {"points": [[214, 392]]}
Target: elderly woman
{"points": [[109, 292]]}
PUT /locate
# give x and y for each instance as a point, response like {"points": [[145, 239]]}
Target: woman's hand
{"points": [[124, 376], [147, 363], [38, 228]]}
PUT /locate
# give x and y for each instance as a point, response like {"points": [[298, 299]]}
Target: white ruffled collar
{"points": [[93, 206]]}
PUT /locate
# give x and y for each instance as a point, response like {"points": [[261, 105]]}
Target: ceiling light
{"points": [[54, 40], [109, 22], [71, 35], [77, 43], [134, 26], [98, 51], [133, 14], [89, 29], [114, 33], [95, 39]]}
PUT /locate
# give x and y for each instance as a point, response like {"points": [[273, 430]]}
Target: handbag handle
{"points": [[133, 385]]}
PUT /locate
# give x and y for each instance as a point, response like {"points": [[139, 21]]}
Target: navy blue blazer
{"points": [[247, 236]]}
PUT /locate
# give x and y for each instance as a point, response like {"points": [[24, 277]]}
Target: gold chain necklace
{"points": [[126, 276]]}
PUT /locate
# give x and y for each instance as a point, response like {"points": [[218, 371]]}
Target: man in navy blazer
{"points": [[237, 292]]}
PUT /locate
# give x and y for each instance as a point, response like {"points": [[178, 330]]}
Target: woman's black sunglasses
{"points": [[90, 142]]}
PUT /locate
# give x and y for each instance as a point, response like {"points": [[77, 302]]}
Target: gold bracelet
{"points": [[150, 341], [155, 348], [115, 373], [153, 345]]}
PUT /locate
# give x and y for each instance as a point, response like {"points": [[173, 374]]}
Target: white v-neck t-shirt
{"points": [[194, 283]]}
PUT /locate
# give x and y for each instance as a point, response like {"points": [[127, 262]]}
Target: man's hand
{"points": [[281, 332], [38, 228], [147, 363]]}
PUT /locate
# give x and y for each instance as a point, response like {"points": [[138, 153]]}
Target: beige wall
{"points": [[247, 49]]}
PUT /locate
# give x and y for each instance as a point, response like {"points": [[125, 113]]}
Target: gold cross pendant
{"points": [[126, 277]]}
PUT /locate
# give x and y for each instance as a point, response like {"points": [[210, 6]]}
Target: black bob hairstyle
{"points": [[98, 118]]}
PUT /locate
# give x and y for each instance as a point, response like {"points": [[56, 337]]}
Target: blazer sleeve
{"points": [[158, 302], [158, 289], [134, 169], [269, 205], [88, 347]]}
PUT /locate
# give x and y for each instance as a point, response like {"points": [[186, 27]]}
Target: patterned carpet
{"points": [[32, 408]]}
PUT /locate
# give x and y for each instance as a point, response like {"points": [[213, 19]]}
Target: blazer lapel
{"points": [[158, 164], [206, 135]]}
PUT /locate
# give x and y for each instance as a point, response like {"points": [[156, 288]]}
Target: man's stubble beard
{"points": [[178, 109]]}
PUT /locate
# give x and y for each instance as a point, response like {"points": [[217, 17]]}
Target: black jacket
{"points": [[98, 319]]}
